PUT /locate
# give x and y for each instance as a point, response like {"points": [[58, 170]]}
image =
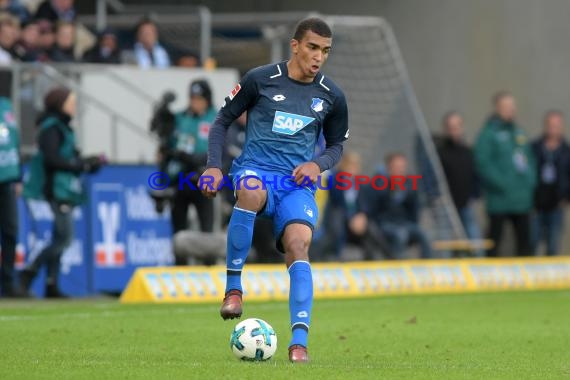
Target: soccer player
{"points": [[287, 104]]}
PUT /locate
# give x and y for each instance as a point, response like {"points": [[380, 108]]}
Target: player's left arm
{"points": [[335, 131]]}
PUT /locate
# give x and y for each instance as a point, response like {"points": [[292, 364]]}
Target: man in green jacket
{"points": [[506, 165]]}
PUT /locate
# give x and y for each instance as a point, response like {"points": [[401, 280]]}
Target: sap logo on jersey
{"points": [[290, 123]]}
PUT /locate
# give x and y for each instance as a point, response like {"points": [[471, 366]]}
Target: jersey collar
{"points": [[283, 67]]}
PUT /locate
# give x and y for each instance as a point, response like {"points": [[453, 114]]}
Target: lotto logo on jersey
{"points": [[289, 123]]}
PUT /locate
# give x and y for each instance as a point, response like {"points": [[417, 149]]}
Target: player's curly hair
{"points": [[315, 25]]}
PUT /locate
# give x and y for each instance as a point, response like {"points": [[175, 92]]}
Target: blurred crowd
{"points": [[521, 181], [49, 32]]}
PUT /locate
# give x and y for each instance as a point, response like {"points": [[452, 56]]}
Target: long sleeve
{"points": [[335, 132], [240, 99], [330, 156]]}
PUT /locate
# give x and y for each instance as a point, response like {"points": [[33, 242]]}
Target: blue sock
{"points": [[240, 233], [300, 301]]}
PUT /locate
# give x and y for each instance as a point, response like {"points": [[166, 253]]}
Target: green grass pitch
{"points": [[520, 335]]}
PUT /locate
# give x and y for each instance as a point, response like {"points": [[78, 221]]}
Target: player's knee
{"points": [[251, 199], [296, 241], [297, 246]]}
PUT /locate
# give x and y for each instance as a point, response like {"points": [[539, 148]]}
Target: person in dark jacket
{"points": [[396, 211], [27, 48], [106, 50], [56, 10], [507, 168], [460, 171], [10, 188], [16, 9], [60, 165], [552, 153]]}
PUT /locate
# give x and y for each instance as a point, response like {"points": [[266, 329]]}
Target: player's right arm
{"points": [[241, 98]]}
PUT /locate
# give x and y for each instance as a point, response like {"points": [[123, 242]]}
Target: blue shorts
{"points": [[286, 202]]}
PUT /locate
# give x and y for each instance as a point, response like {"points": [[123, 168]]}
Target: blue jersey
{"points": [[284, 117]]}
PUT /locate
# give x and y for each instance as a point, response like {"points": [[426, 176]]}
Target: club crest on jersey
{"points": [[317, 104], [289, 123]]}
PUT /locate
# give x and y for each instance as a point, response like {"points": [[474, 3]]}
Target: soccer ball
{"points": [[253, 339]]}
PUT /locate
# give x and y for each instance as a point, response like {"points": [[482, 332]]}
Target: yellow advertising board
{"points": [[337, 280]]}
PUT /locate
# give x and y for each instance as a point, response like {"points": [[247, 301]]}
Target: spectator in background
{"points": [[344, 219], [27, 47], [56, 10], [59, 163], [186, 58], [460, 171], [9, 35], [506, 165], [396, 211], [16, 9], [148, 51], [10, 189], [552, 153], [46, 40], [106, 50], [63, 49]]}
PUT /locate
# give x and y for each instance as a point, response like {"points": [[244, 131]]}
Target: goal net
{"points": [[385, 116]]}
